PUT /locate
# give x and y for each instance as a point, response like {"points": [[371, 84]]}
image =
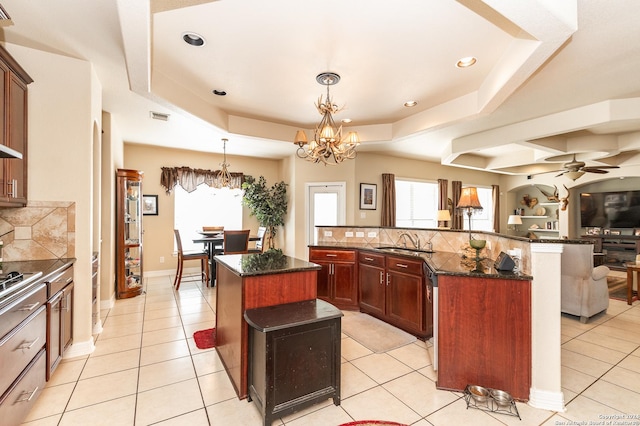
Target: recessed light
{"points": [[219, 92], [410, 104], [466, 62], [346, 120], [193, 39]]}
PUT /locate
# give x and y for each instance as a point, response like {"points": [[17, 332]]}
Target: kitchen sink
{"points": [[405, 251]]}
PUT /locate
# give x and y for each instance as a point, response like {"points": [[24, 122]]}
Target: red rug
{"points": [[205, 339], [372, 423]]}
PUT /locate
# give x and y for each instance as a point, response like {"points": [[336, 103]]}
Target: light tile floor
{"points": [[146, 370]]}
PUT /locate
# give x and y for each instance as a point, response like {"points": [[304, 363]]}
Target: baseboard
{"points": [[78, 349], [546, 400]]}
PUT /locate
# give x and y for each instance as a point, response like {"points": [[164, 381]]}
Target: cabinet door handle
{"points": [[381, 278], [401, 265], [27, 345], [388, 278], [28, 398], [29, 307], [332, 255], [368, 259]]}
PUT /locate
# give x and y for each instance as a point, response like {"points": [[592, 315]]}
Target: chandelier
{"points": [[327, 146], [223, 177]]}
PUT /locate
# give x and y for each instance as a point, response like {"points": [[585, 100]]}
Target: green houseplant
{"points": [[268, 205]]}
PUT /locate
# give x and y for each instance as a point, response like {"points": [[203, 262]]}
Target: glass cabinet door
{"points": [[129, 233]]}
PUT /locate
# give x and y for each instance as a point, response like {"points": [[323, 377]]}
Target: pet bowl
{"points": [[501, 398], [479, 393]]}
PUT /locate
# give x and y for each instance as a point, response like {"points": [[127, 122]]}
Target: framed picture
{"points": [[150, 205], [606, 232], [636, 232], [368, 196], [615, 232]]}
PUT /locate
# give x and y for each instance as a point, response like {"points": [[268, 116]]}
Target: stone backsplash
{"points": [[41, 230], [436, 239]]}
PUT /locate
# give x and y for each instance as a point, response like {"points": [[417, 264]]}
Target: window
{"points": [[416, 204], [205, 206], [481, 220]]}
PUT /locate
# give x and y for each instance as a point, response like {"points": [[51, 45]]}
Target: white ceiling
{"points": [[552, 78]]}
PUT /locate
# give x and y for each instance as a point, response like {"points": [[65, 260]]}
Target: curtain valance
{"points": [[189, 178]]}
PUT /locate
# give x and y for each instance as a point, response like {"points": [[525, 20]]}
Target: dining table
{"points": [[213, 242]]}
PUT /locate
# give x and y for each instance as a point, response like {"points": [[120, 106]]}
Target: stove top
{"points": [[12, 282]]}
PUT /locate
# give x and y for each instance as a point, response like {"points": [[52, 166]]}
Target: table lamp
{"points": [[514, 219], [469, 201], [443, 216]]}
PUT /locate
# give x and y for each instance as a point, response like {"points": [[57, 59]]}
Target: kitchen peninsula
{"points": [[540, 262], [247, 281]]}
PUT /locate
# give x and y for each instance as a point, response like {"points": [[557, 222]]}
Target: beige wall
{"points": [[158, 230], [64, 105]]}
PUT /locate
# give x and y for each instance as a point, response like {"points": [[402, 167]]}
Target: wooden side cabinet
{"points": [[294, 356], [128, 233], [13, 125], [338, 278]]}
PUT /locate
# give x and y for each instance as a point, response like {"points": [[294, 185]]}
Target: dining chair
{"points": [[235, 242], [259, 247], [218, 249], [184, 256]]}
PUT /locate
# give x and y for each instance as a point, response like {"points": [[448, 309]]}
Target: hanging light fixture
{"points": [[223, 177], [327, 146]]}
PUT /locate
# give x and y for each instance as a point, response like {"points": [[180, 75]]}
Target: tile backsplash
{"points": [[41, 230]]}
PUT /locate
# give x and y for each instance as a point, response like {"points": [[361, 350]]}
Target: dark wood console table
{"points": [[620, 249]]}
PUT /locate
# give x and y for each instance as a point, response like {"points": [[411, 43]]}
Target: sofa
{"points": [[584, 291]]}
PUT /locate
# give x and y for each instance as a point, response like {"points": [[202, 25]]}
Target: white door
{"points": [[326, 206]]}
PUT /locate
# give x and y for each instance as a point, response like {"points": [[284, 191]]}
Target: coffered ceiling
{"points": [[552, 79]]}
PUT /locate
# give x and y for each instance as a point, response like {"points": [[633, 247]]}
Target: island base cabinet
{"points": [[484, 334]]}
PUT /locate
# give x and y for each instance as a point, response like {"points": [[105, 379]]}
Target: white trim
{"points": [[546, 400], [80, 349], [341, 189]]}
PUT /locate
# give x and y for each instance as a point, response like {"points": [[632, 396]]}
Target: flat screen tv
{"points": [[614, 209]]}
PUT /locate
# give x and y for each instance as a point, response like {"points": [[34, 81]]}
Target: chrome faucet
{"points": [[416, 242]]}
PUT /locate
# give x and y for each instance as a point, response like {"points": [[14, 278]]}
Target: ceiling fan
{"points": [[574, 169]]}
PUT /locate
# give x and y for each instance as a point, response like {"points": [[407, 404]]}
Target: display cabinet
{"points": [[128, 233]]}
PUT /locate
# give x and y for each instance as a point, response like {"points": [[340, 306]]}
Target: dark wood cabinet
{"points": [[13, 125], [294, 356], [484, 334], [59, 317], [372, 282], [338, 278], [394, 289], [128, 233]]}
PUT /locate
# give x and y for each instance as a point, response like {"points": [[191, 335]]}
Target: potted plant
{"points": [[268, 205]]}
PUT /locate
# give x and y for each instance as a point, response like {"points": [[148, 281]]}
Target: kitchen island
{"points": [[247, 281]]}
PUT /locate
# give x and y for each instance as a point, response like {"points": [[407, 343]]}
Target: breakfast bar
{"points": [[248, 281]]}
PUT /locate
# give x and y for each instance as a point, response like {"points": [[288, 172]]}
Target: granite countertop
{"points": [[440, 262], [47, 267], [267, 263]]}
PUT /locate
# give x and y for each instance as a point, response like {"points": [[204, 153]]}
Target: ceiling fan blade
{"points": [[599, 167], [561, 173], [593, 170]]}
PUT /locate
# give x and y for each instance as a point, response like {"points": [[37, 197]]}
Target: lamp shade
{"points": [[573, 175], [444, 215], [469, 199], [301, 138], [514, 219]]}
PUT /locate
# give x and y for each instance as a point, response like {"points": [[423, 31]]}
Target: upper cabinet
{"points": [[13, 135]]}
